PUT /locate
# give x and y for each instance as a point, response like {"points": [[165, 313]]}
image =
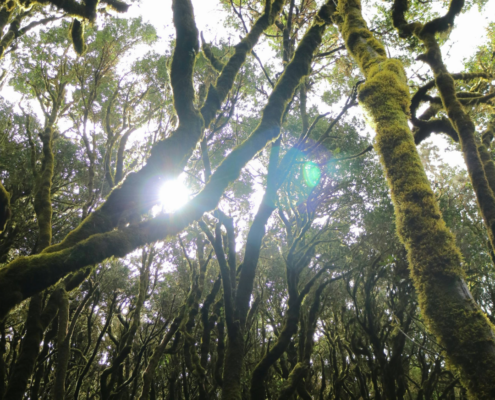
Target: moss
{"points": [[63, 348], [488, 165], [4, 208], [197, 369], [289, 329], [139, 191], [186, 49], [476, 164], [208, 322], [489, 133], [5, 14], [297, 374], [86, 246], [77, 35], [436, 263], [446, 22], [269, 126], [423, 129], [6, 41], [149, 373]]}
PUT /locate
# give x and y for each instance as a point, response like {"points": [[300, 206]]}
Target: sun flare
{"points": [[173, 195]]}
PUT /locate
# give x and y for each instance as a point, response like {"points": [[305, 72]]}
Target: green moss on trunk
{"points": [[436, 264], [4, 208]]}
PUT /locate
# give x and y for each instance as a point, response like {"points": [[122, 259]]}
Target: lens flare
{"points": [[311, 173]]}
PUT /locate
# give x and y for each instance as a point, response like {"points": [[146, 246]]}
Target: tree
{"points": [[309, 294]]}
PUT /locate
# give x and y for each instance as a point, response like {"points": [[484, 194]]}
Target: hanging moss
{"points": [[448, 307], [77, 35]]}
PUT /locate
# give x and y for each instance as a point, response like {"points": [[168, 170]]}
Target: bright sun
{"points": [[173, 195]]}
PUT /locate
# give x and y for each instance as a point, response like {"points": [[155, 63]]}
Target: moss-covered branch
{"points": [[127, 339], [216, 242], [255, 237], [63, 346], [95, 349], [426, 124], [24, 366], [436, 264], [420, 94], [208, 322], [139, 191]]}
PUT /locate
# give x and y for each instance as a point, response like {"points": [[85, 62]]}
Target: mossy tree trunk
{"points": [[436, 264], [35, 328], [480, 167]]}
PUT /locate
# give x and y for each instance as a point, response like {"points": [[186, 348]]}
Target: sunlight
{"points": [[173, 195]]}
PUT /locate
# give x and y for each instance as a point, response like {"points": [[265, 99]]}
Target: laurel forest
{"points": [[247, 199]]}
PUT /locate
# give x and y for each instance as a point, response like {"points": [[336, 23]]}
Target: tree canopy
{"points": [[261, 212]]}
